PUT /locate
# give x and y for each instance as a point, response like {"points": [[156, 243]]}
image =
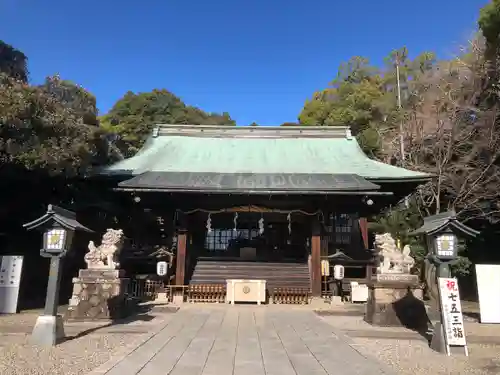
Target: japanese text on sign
{"points": [[452, 312], [161, 268]]}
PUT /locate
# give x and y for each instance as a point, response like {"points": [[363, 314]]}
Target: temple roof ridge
{"points": [[223, 131]]}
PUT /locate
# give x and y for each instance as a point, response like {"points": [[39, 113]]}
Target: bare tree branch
{"points": [[452, 133]]}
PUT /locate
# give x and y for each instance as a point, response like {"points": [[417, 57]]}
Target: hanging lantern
{"points": [[235, 221], [289, 218], [338, 272], [261, 225], [209, 224]]}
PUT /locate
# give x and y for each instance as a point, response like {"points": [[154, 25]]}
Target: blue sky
{"points": [[259, 60]]}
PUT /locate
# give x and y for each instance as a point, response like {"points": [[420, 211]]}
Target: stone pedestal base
{"points": [[162, 298], [336, 300], [438, 341], [98, 295], [396, 300], [178, 298], [48, 330]]}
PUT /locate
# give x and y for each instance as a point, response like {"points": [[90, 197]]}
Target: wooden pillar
{"points": [[316, 259], [180, 266], [363, 226]]}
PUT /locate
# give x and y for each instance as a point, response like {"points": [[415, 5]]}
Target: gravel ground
{"points": [[415, 358], [356, 323], [74, 357], [89, 344]]}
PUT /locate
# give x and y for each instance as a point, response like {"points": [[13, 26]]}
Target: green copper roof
{"points": [[293, 150]]}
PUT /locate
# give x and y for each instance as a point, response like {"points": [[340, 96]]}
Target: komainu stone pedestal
{"points": [[396, 300], [99, 295]]}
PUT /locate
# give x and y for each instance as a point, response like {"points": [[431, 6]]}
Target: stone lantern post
{"points": [[441, 233], [58, 226]]}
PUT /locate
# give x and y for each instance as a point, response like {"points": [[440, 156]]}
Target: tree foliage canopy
{"points": [[133, 116], [364, 97], [13, 63], [40, 131], [55, 126], [71, 95], [489, 23], [441, 115]]}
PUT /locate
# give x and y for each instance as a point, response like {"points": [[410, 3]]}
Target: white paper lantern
{"points": [[338, 272], [161, 268]]}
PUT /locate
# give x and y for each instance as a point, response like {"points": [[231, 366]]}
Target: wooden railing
{"points": [[144, 289], [290, 296], [147, 290], [207, 293]]}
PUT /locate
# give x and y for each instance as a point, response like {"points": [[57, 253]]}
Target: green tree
{"points": [[366, 99], [133, 116], [355, 98], [37, 131], [399, 221], [13, 62], [73, 96], [489, 23]]}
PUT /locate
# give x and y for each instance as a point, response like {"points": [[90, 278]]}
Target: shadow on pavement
{"points": [[140, 313], [412, 313]]}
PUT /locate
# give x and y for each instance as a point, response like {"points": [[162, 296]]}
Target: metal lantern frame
{"points": [[58, 226], [445, 245], [442, 232]]}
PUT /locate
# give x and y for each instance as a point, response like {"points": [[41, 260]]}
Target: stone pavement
{"points": [[243, 340], [246, 340]]}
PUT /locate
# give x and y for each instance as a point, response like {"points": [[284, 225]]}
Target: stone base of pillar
{"points": [[178, 298], [162, 298], [336, 301], [48, 330], [99, 294], [396, 300], [438, 341]]}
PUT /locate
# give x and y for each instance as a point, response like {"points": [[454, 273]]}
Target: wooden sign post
{"points": [[451, 315]]}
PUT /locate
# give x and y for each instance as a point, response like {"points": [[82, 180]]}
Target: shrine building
{"points": [[262, 203]]}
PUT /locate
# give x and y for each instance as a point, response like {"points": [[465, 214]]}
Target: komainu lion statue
{"points": [[105, 255], [392, 259]]}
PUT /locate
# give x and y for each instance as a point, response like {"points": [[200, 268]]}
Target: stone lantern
{"points": [[442, 232], [58, 226]]}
